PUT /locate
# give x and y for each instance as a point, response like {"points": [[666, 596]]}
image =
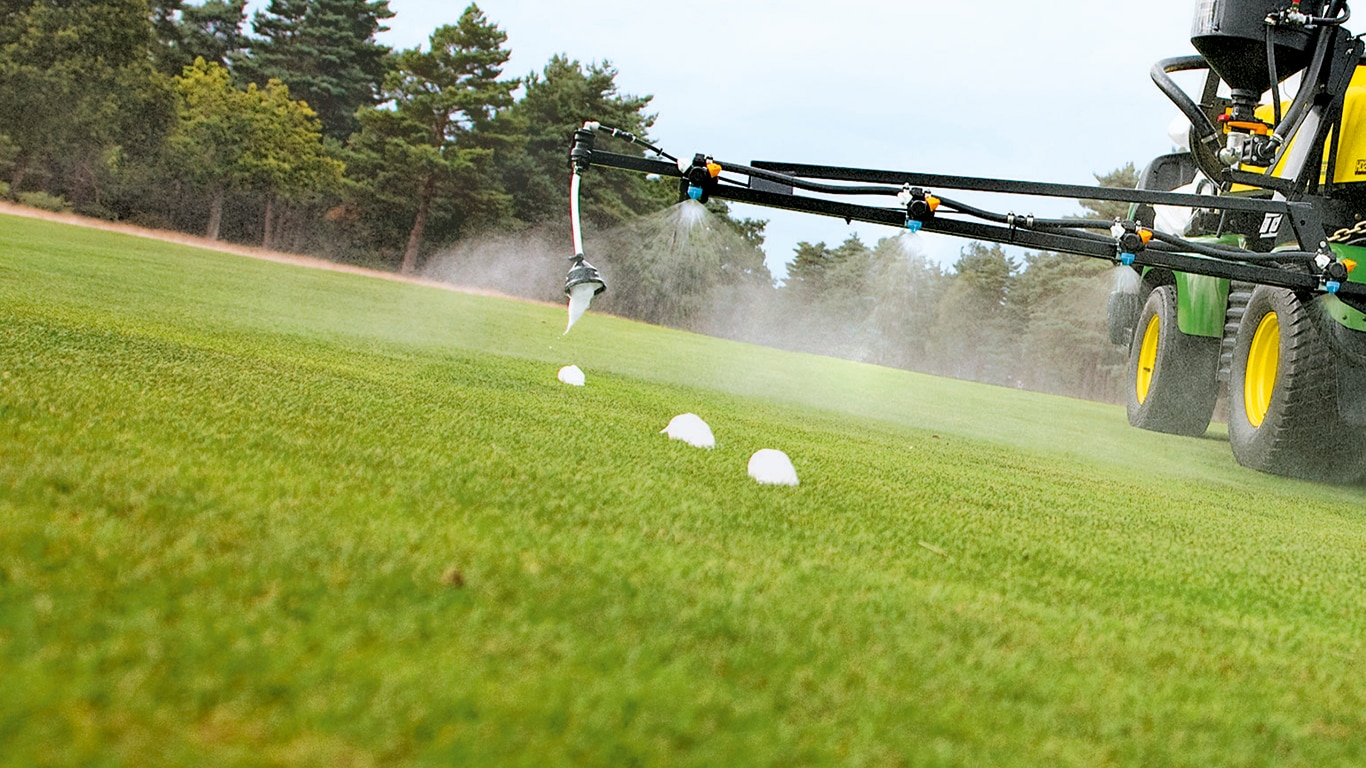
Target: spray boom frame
{"points": [[775, 185]]}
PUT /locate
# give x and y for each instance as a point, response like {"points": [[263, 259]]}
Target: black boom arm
{"points": [[919, 201]]}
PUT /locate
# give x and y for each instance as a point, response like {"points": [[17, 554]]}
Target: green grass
{"points": [[257, 514]]}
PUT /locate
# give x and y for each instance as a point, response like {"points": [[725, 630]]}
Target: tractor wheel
{"points": [[1283, 408], [1172, 376]]}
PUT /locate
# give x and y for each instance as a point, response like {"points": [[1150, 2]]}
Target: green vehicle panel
{"points": [[1344, 314], [1201, 302]]}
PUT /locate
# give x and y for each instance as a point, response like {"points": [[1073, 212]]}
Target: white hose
{"points": [[575, 226]]}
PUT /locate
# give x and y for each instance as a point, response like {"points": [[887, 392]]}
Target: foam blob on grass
{"points": [[570, 374], [691, 429], [772, 467]]}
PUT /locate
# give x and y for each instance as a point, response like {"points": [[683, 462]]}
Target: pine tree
{"points": [[533, 161], [419, 149], [325, 51], [1123, 177], [212, 31]]}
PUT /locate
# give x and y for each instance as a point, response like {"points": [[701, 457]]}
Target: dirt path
{"points": [[239, 250]]}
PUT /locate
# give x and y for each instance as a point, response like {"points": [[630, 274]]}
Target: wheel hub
{"points": [[1259, 377], [1147, 358]]}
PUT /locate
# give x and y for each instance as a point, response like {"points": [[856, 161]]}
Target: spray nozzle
{"points": [[920, 206], [1130, 240], [699, 178]]}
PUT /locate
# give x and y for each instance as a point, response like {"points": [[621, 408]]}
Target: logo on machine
{"points": [[1271, 225], [1361, 168]]}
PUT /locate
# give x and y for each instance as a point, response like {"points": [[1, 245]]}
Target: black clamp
{"points": [[581, 150]]}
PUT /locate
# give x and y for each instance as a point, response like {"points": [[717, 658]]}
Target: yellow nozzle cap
{"points": [[1146, 235], [714, 169], [932, 202], [1349, 264]]}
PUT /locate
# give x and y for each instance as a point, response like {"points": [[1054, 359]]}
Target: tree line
{"points": [[297, 130]]}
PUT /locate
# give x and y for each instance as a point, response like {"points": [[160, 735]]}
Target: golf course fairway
{"points": [[258, 514]]}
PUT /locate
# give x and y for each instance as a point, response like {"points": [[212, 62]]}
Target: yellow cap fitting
{"points": [[933, 202], [1349, 264], [714, 169], [1146, 235]]}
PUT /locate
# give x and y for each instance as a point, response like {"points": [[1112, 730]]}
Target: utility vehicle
{"points": [[1244, 247]]}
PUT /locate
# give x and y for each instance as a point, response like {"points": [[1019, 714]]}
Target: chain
{"points": [[1347, 234]]}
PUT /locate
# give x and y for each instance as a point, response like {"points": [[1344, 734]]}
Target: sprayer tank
{"points": [[1232, 36]]}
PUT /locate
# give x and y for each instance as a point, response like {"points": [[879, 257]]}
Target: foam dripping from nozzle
{"points": [[580, 296]]}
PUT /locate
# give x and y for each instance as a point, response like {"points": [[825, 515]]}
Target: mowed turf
{"points": [[255, 514]]}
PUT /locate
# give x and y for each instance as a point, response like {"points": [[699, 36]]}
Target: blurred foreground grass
{"points": [[257, 514]]}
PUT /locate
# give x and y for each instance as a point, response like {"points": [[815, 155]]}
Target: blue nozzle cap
{"points": [[1127, 259], [1332, 286], [694, 192], [914, 225]]}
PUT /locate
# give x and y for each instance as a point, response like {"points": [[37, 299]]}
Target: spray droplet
{"points": [[580, 296], [691, 429], [912, 244], [1125, 280], [690, 212], [570, 374], [772, 467]]}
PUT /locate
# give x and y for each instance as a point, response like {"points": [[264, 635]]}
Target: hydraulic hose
{"points": [[1161, 74], [1345, 15], [629, 138]]}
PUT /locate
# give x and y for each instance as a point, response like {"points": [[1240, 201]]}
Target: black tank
{"points": [[1232, 36]]}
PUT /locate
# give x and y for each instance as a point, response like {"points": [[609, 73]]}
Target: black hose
{"points": [[1184, 245], [1025, 222], [633, 139], [810, 186], [1198, 119], [1336, 21], [1228, 254], [1275, 80]]}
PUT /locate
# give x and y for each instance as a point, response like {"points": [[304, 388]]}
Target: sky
{"points": [[1053, 91]]}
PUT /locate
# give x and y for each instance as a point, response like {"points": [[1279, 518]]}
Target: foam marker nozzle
{"points": [[581, 273]]}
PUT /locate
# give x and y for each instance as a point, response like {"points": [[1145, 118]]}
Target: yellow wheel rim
{"points": [[1147, 358], [1259, 377]]}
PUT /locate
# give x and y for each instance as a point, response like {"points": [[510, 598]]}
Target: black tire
{"points": [[1172, 382], [1121, 316], [1284, 419]]}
